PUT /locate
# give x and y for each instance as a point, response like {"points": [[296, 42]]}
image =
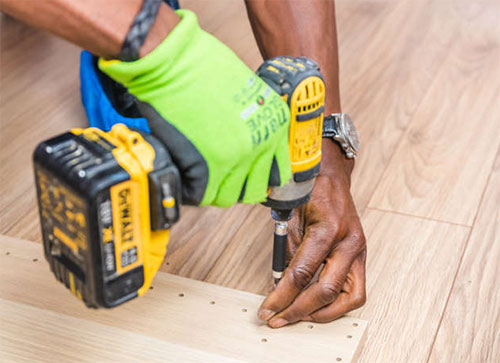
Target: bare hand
{"points": [[325, 230]]}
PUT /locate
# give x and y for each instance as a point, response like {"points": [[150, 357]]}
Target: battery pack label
{"points": [[129, 256], [126, 221], [63, 212]]}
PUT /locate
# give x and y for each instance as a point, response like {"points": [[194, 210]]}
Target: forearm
{"points": [[305, 28], [95, 25], [300, 28]]}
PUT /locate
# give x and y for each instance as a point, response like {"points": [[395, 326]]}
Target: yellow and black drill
{"points": [[299, 82], [107, 200]]}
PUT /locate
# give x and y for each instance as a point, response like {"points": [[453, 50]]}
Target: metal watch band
{"points": [[329, 127], [339, 127], [139, 30]]}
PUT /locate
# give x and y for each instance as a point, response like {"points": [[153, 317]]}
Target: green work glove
{"points": [[223, 126]]}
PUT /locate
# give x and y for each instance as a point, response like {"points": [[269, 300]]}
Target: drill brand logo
{"points": [[125, 215], [125, 203]]}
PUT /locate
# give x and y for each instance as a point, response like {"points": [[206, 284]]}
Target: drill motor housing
{"points": [[299, 82]]}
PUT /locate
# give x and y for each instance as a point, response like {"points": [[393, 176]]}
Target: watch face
{"points": [[350, 132]]}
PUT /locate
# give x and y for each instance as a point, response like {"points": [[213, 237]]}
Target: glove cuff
{"points": [[161, 58]]}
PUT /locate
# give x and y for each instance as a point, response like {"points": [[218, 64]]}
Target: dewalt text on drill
{"points": [[107, 200]]}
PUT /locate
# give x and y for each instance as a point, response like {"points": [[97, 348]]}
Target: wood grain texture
{"points": [[390, 52], [441, 167], [410, 270], [207, 323], [39, 98], [30, 334], [470, 330], [412, 74]]}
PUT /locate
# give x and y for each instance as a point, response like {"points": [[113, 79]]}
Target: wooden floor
{"points": [[421, 78]]}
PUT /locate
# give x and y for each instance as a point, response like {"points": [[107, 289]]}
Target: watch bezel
{"points": [[346, 135]]}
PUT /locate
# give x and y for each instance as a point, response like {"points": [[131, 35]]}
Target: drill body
{"points": [[300, 83]]}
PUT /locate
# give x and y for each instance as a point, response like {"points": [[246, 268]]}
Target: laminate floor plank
{"points": [[410, 270], [387, 65], [208, 323], [39, 98], [470, 329], [440, 169]]}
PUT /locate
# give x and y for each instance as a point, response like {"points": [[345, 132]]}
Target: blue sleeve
{"points": [[99, 109]]}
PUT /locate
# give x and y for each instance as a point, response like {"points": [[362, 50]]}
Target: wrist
{"points": [[166, 20], [334, 163]]}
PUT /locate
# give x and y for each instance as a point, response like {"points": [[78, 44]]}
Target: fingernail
{"points": [[265, 314], [278, 323]]}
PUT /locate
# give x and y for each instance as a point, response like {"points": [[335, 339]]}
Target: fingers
{"points": [[258, 179], [321, 293], [311, 253], [295, 235], [346, 301], [231, 188]]}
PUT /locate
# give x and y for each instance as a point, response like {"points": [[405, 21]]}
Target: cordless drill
{"points": [[299, 82], [107, 200]]}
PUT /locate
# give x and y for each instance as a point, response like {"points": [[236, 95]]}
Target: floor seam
{"points": [[420, 217], [466, 245]]}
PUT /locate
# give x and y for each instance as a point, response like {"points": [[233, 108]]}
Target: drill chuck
{"points": [[279, 249]]}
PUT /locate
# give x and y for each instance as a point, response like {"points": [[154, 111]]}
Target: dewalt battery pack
{"points": [[107, 201]]}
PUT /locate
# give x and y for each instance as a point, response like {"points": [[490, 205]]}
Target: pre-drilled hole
{"points": [[212, 302], [354, 324], [151, 287], [263, 340], [338, 359], [35, 259], [167, 263], [244, 310], [181, 294], [7, 253], [349, 336], [310, 326]]}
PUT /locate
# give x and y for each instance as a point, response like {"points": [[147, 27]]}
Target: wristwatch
{"points": [[340, 128]]}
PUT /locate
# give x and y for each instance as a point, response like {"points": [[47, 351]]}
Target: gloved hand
{"points": [[223, 126]]}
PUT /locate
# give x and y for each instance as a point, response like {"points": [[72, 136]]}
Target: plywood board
{"points": [[178, 318], [470, 329]]}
